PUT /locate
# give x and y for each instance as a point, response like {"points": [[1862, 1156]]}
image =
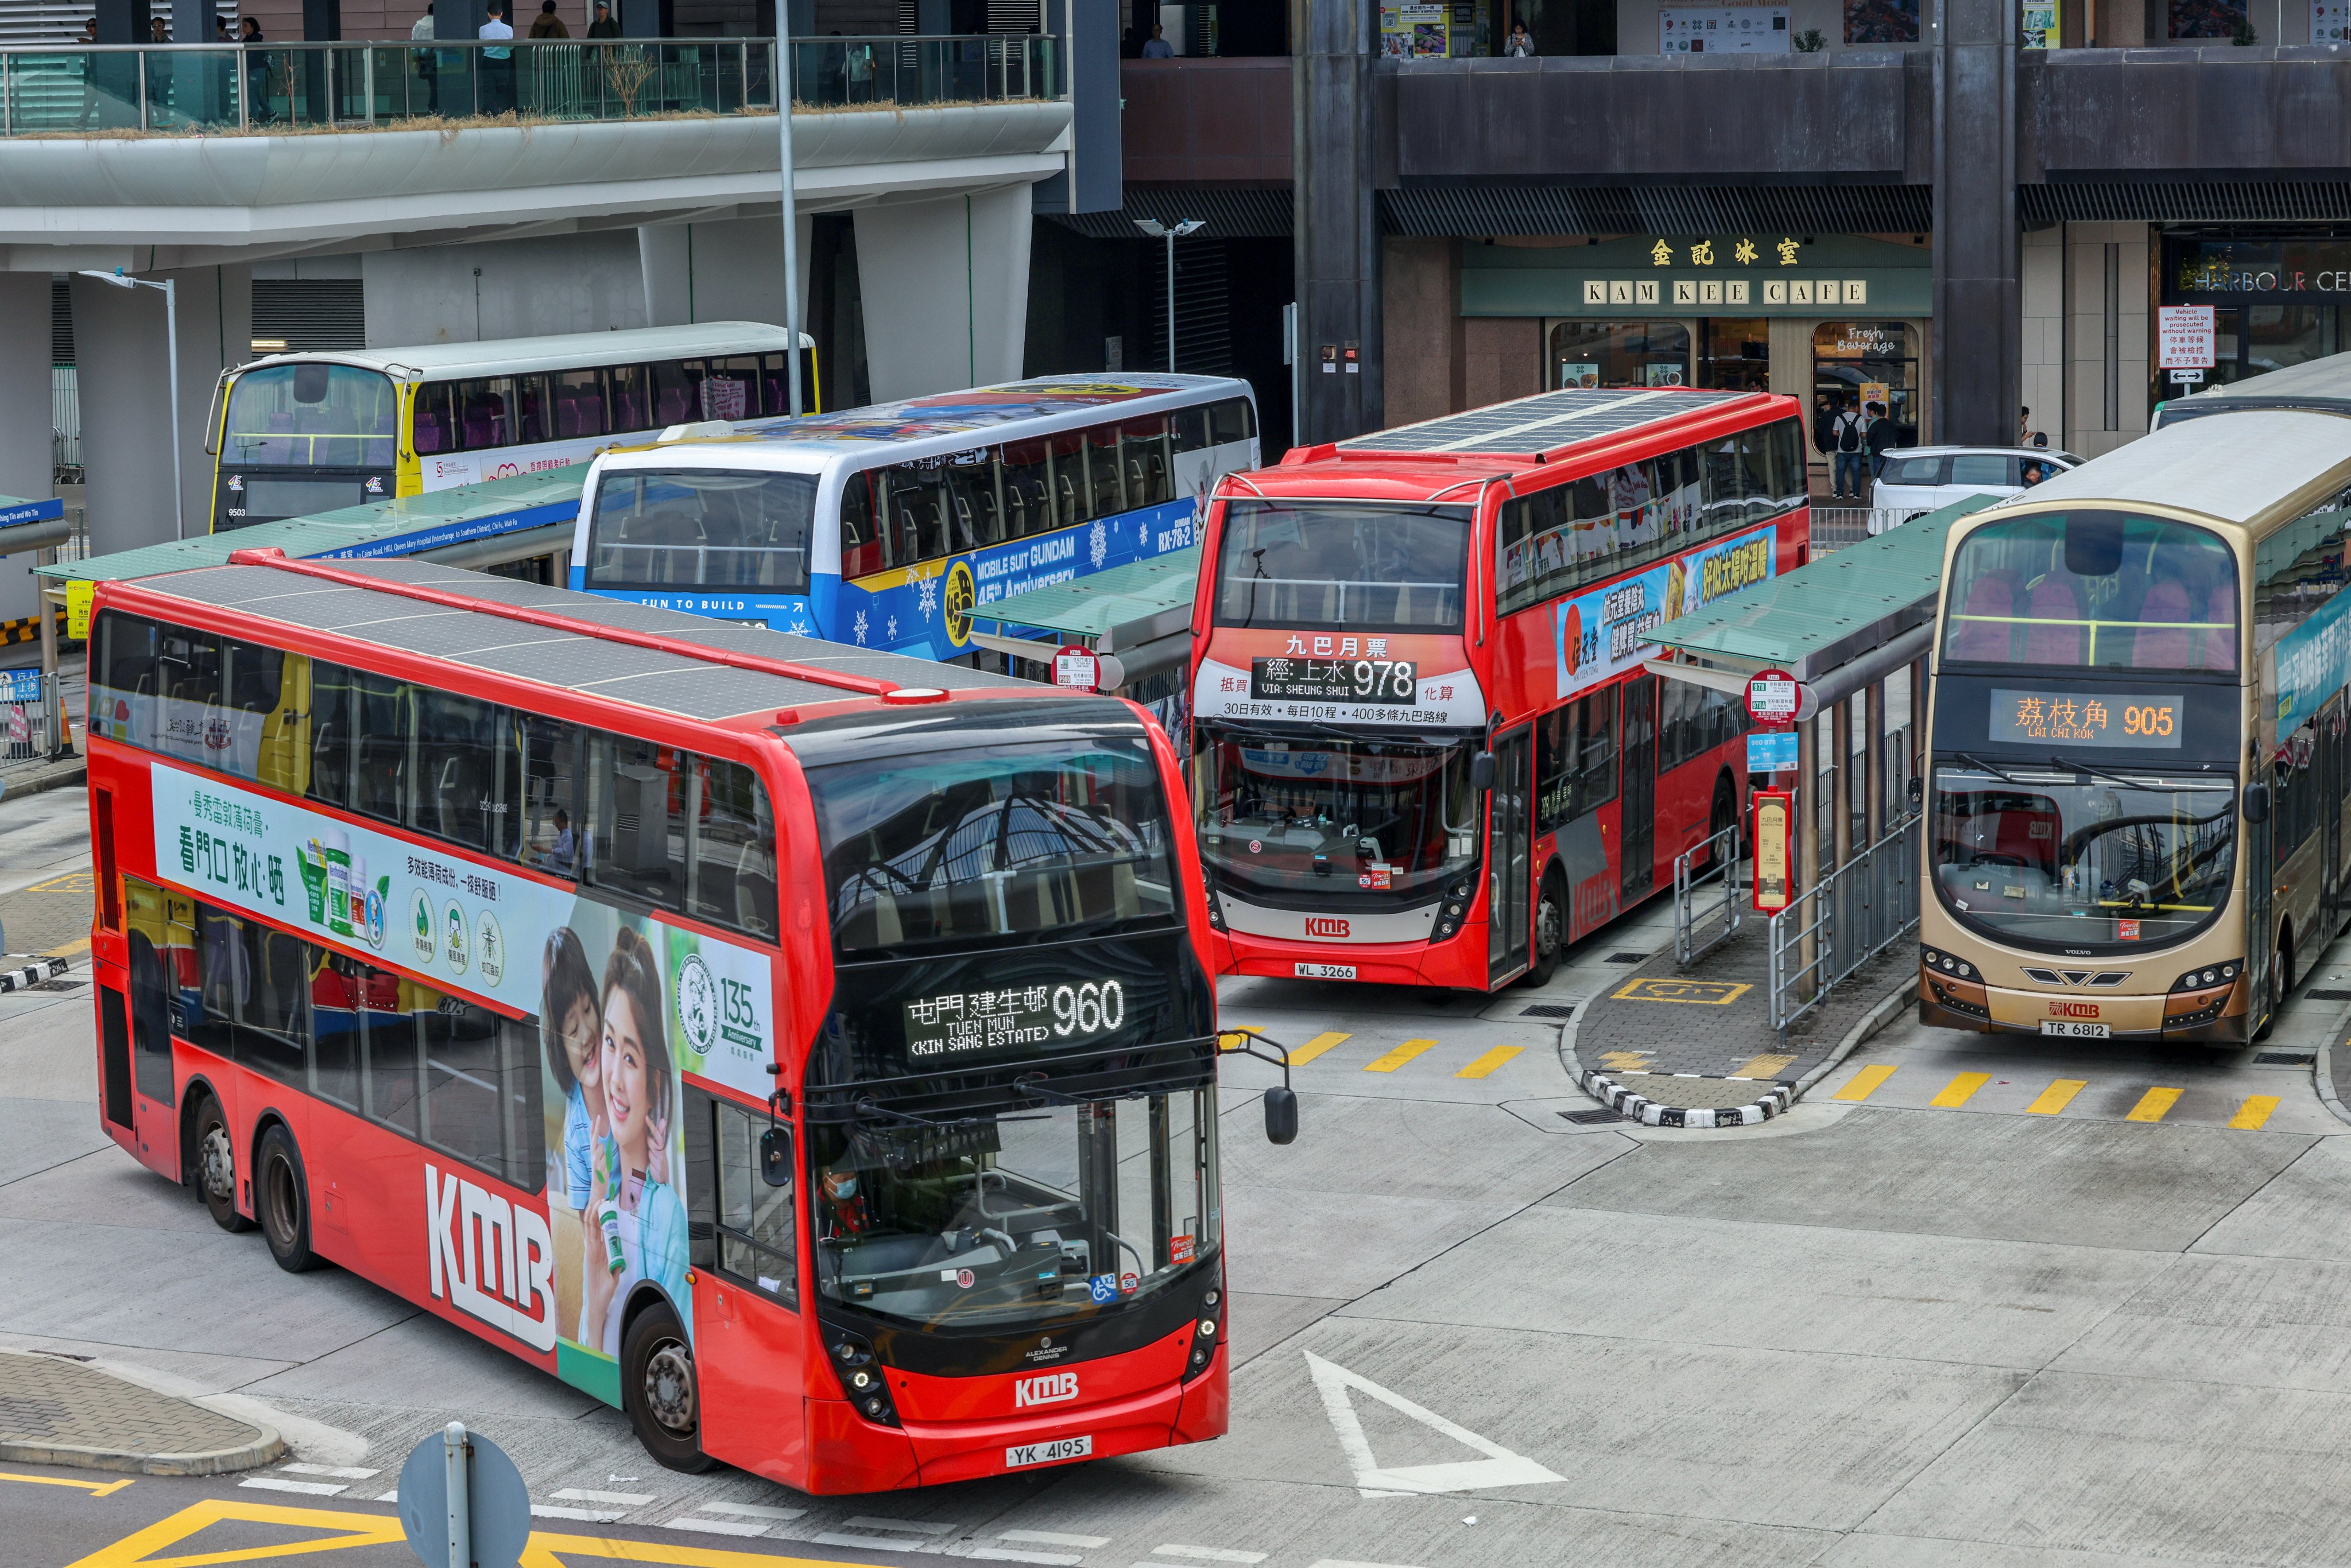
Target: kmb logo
{"points": [[1325, 926], [2073, 1010], [491, 1260], [1050, 1389]]}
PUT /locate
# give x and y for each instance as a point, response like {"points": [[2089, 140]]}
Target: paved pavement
{"points": [[56, 1409]]}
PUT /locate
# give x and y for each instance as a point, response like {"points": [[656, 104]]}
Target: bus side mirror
{"points": [[776, 1157], [2257, 802], [1917, 792], [1481, 771], [1280, 1115]]}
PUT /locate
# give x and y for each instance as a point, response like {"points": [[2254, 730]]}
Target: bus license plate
{"points": [[2073, 1029], [1326, 972], [1048, 1453]]}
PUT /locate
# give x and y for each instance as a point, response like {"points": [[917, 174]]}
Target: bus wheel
{"points": [[1725, 814], [1551, 932], [657, 1389], [2281, 984], [282, 1197], [216, 1167]]}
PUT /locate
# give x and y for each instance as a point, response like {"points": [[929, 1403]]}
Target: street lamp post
{"points": [[121, 279], [1171, 234], [784, 78]]}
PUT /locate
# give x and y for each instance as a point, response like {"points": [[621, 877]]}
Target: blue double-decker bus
{"points": [[886, 526]]}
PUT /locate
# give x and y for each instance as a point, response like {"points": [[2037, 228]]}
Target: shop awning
{"points": [[471, 525], [1830, 614], [1141, 612]]}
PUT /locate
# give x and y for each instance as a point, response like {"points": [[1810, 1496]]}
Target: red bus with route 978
{"points": [[1424, 747], [809, 1051]]}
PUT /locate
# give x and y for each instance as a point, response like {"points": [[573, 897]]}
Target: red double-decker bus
{"points": [[1425, 748], [808, 1052]]}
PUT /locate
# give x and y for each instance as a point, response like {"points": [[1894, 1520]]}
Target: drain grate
{"points": [[1548, 1009], [1627, 958], [2285, 1058], [1591, 1118], [2328, 995]]}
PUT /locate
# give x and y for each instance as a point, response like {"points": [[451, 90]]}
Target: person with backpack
{"points": [[1846, 439], [1877, 437]]}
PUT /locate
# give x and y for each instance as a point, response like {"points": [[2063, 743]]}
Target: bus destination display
{"points": [[1285, 680], [973, 1024], [2120, 720]]}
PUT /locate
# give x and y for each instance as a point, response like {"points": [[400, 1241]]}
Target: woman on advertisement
{"points": [[639, 1221]]}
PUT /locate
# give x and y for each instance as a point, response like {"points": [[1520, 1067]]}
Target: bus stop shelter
{"points": [[36, 528], [1139, 614]]}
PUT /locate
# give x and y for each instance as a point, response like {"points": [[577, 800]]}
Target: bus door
{"points": [[1509, 841], [1638, 814], [2260, 935], [2331, 782]]}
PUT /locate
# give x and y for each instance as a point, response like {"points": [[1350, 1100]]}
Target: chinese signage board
{"points": [[1762, 272], [1722, 29], [2037, 25], [2113, 719], [2183, 336], [1076, 667], [1771, 697], [1774, 821], [1770, 750]]}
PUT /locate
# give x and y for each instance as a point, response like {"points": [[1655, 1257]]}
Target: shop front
{"points": [[1827, 318], [2276, 300]]}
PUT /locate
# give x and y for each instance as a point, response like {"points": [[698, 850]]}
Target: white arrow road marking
{"points": [[1500, 1468]]}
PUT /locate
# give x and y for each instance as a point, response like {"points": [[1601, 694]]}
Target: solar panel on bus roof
{"points": [[1545, 421]]}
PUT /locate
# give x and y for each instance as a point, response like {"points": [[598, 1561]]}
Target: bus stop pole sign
{"points": [[463, 1503], [1076, 668], [1771, 697]]}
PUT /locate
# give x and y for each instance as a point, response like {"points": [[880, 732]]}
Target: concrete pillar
{"points": [[1976, 287], [719, 272], [26, 459], [1337, 217], [946, 286], [126, 416], [504, 288]]}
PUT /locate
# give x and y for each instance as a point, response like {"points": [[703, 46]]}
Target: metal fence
{"points": [[65, 423], [50, 92], [31, 711], [1835, 527], [1840, 923], [1708, 900]]}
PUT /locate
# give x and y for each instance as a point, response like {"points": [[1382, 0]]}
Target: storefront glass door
{"points": [[1861, 361]]}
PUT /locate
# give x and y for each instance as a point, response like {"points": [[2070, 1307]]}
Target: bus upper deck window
{"points": [[1191, 429], [1230, 421]]}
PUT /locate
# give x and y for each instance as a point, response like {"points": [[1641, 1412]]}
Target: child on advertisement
{"points": [[572, 1033]]}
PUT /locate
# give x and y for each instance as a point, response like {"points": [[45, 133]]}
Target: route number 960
{"points": [[1089, 1008]]}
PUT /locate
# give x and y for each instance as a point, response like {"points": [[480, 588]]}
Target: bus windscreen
{"points": [[311, 415], [701, 528], [2093, 589], [1342, 565]]}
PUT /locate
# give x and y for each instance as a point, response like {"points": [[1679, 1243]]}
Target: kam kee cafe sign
{"points": [[1761, 273]]}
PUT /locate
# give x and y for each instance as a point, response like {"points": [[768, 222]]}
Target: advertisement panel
{"points": [[626, 1005], [1601, 634]]}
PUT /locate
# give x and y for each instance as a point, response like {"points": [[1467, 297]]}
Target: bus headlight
{"points": [[861, 1378]]}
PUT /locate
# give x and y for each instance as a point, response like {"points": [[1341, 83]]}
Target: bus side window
{"points": [[332, 720], [676, 388], [548, 834], [731, 391], [579, 402], [533, 410], [1106, 473], [861, 543], [188, 675], [481, 1090], [383, 711], [433, 418], [637, 846], [631, 392], [253, 674], [1590, 751], [486, 412], [388, 1034], [337, 1066], [1072, 493], [122, 701], [1230, 421], [1191, 429], [454, 791], [1142, 454], [1027, 490], [731, 878]]}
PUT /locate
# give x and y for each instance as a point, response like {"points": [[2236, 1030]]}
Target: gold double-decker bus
{"points": [[2135, 800]]}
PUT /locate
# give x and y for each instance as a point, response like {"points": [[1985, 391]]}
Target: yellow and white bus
{"points": [[2139, 783], [294, 435]]}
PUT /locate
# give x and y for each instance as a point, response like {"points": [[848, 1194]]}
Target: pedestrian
{"points": [[2023, 427], [87, 66], [1158, 48], [1519, 45], [157, 32], [496, 94], [1846, 439], [257, 71], [1879, 438], [604, 26], [428, 69], [548, 24]]}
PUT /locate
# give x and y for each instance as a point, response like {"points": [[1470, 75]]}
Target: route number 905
{"points": [[2152, 720]]}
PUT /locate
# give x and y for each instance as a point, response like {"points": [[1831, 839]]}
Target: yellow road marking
{"points": [[545, 1550], [1763, 1067], [1865, 1083], [1397, 1057], [71, 882], [1626, 1061], [2057, 1097], [79, 945], [106, 1489], [2253, 1113], [2153, 1105], [1315, 1048], [1956, 1093], [1498, 1056], [1706, 992]]}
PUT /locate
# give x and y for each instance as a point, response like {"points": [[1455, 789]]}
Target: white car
{"points": [[1921, 478]]}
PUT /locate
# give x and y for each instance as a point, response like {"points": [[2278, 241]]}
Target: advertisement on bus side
{"points": [[1601, 634], [626, 1005]]}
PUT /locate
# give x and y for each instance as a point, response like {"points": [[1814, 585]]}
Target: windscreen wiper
{"points": [[2076, 766], [1974, 761]]}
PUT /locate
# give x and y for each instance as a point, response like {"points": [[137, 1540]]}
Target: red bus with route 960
{"points": [[809, 1051], [1425, 748]]}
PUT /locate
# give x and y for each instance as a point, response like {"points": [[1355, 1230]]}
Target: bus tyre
{"points": [[657, 1389], [1551, 931], [213, 1154], [281, 1196]]}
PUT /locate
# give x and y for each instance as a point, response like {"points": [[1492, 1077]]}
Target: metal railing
{"points": [[1842, 921], [171, 87], [1708, 906], [31, 716], [1835, 527]]}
